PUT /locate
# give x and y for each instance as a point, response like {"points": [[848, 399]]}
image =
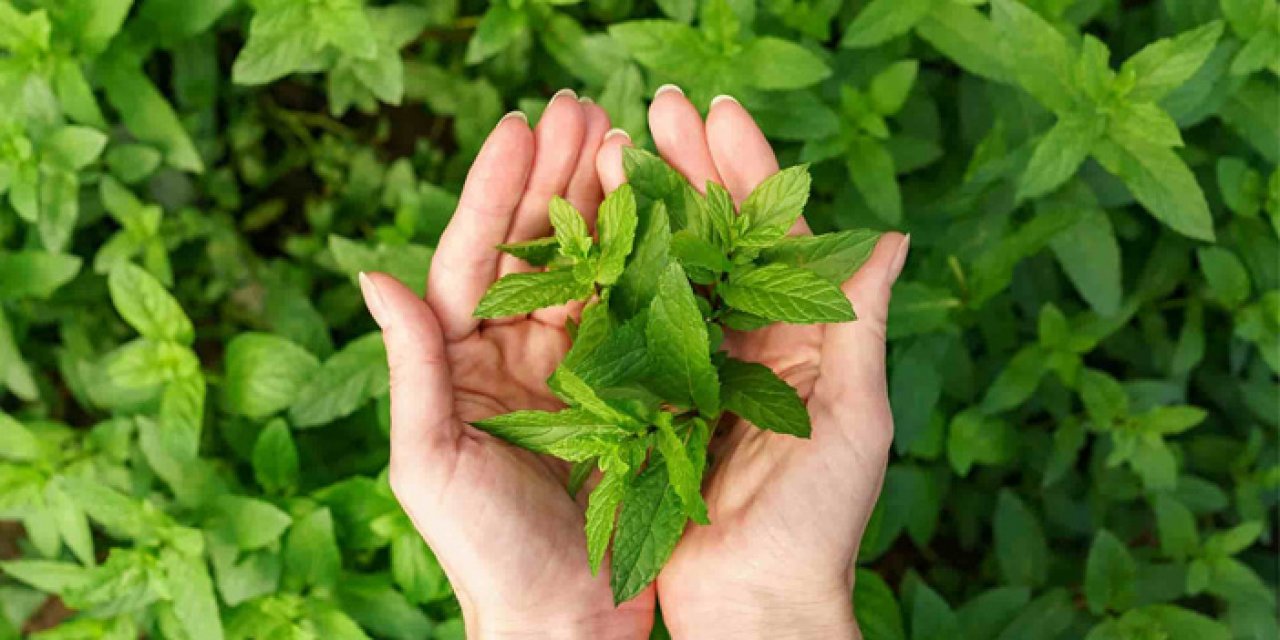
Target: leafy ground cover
{"points": [[1083, 350]]}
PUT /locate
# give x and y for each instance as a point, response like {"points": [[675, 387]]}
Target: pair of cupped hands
{"points": [[787, 514]]}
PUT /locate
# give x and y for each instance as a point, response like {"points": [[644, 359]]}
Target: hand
{"points": [[507, 533], [786, 514]]}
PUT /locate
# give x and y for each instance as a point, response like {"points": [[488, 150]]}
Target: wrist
{"points": [[746, 613], [603, 625]]}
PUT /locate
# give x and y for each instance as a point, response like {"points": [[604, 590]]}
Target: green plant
{"points": [[1083, 348], [646, 380]]}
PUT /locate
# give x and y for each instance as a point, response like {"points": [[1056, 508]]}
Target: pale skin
{"points": [[786, 514]]}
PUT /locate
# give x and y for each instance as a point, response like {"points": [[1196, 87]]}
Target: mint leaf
{"points": [[889, 88], [648, 262], [501, 26], [1145, 121], [520, 293], [882, 20], [575, 391], [686, 478], [275, 458], [703, 262], [617, 225], [931, 616], [620, 358], [348, 379], [679, 356], [1226, 276], [34, 274], [1037, 54], [786, 294], [878, 613], [571, 230], [1110, 575], [1089, 254], [1017, 381], [569, 434], [778, 65], [649, 526], [773, 207], [756, 394], [264, 374], [743, 321], [311, 554], [602, 511], [1060, 153], [1020, 545], [974, 438], [247, 522], [984, 615], [17, 443], [834, 257], [967, 37], [1161, 181], [1166, 64], [539, 252], [717, 214], [145, 304], [872, 169]]}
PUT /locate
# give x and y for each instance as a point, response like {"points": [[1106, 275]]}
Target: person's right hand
{"points": [[506, 532], [787, 514]]}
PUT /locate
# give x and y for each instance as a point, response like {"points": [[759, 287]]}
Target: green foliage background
{"points": [[1084, 347]]}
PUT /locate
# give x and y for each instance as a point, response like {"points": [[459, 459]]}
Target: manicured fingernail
{"points": [[566, 92], [723, 98], [513, 115], [586, 100], [616, 132], [899, 259], [667, 88], [372, 297]]}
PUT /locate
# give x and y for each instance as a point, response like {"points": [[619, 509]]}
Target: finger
{"points": [[557, 141], [853, 366], [466, 260], [583, 193], [609, 159], [680, 137], [423, 427], [742, 155]]}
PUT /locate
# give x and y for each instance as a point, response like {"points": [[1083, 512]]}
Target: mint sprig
{"points": [[646, 380]]}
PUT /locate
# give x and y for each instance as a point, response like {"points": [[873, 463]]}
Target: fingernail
{"points": [[899, 259], [586, 100], [616, 132], [372, 298], [667, 88], [563, 93], [514, 114], [723, 98]]}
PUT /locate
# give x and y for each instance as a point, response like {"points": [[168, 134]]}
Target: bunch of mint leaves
{"points": [[647, 379]]}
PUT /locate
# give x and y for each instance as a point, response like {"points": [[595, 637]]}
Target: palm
{"points": [[499, 519], [787, 500], [786, 513]]}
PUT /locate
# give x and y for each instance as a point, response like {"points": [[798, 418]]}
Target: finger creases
{"points": [[558, 141], [466, 260], [680, 136], [742, 155]]}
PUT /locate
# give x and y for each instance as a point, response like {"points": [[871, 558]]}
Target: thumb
{"points": [[423, 428], [854, 352]]}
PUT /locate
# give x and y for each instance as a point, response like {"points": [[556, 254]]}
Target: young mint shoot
{"points": [[647, 380]]}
